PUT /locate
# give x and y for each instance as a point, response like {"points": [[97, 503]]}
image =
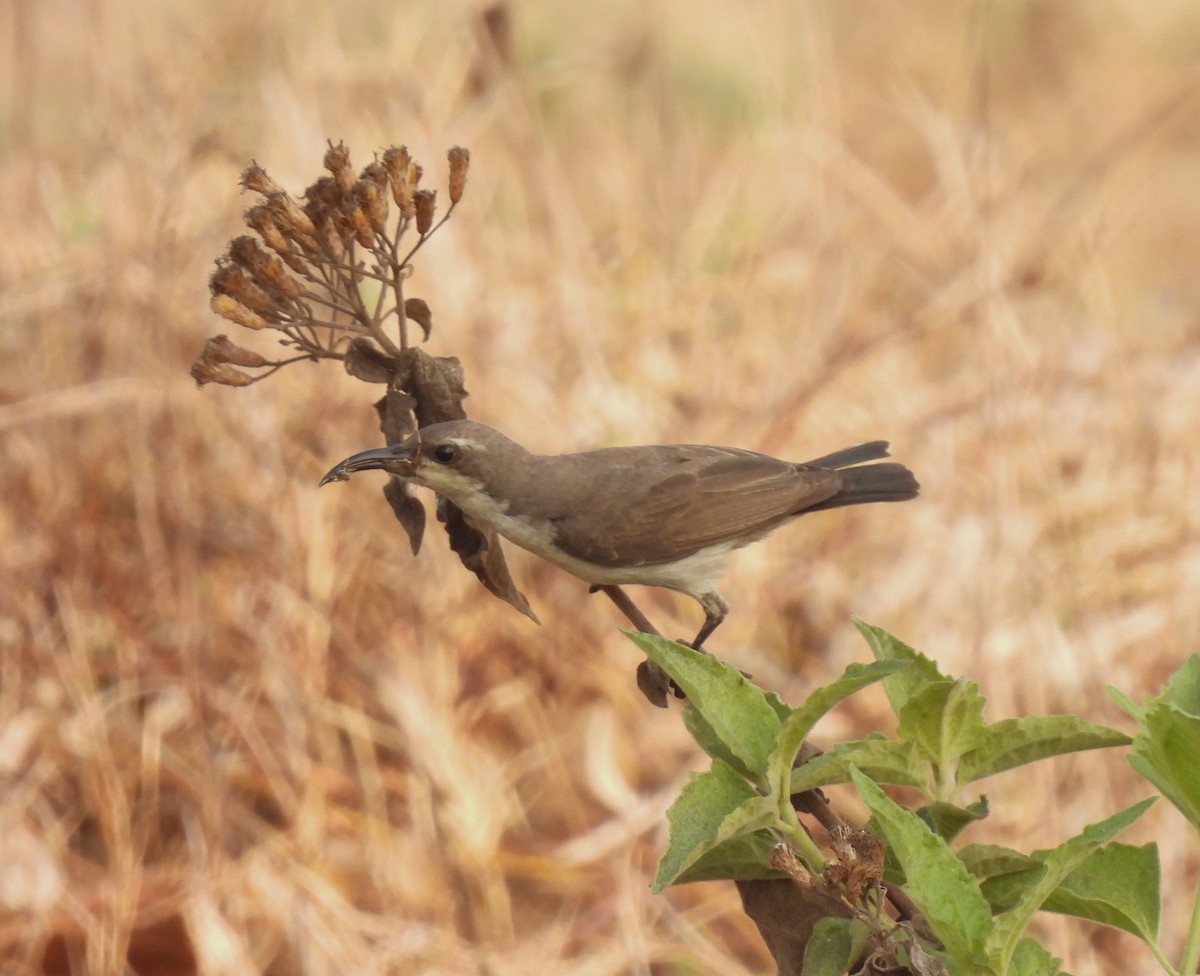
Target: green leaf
{"points": [[1004, 875], [1032, 959], [742, 858], [696, 817], [904, 685], [884, 760], [937, 881], [739, 715], [1167, 746], [1119, 885], [1059, 862], [948, 820], [1016, 741], [795, 730], [945, 719], [834, 946]]}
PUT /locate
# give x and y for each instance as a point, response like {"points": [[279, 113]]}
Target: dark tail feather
{"points": [[888, 482], [850, 455]]}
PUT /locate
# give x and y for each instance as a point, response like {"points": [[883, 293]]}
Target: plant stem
{"points": [[1191, 951]]}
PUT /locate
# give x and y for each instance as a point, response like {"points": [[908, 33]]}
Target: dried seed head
{"points": [[204, 372], [376, 173], [230, 308], [373, 203], [261, 219], [229, 279], [291, 219], [247, 252], [360, 226], [460, 160], [397, 161], [425, 202], [337, 161], [220, 349], [328, 238], [255, 178]]}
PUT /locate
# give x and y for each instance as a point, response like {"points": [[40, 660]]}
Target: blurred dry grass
{"points": [[242, 730]]}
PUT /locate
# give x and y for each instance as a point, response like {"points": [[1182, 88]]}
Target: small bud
{"points": [[460, 160], [337, 161], [425, 202], [230, 308], [397, 161], [204, 372], [220, 349], [255, 178]]}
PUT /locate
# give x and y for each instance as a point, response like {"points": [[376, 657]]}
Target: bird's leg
{"points": [[652, 680], [715, 612]]}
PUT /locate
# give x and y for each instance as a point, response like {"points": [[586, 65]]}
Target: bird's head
{"points": [[455, 459]]}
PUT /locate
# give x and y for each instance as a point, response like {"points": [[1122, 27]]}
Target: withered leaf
{"points": [[364, 361], [479, 549], [417, 309], [785, 914], [437, 384], [395, 411], [407, 508]]}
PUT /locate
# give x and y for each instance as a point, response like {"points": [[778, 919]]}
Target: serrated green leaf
{"points": [[1016, 741], [1183, 688], [739, 714], [903, 685], [707, 739], [948, 820], [1118, 885], [742, 858], [696, 817], [1060, 862], [1004, 875], [945, 719], [884, 760], [992, 860], [834, 946], [796, 729], [1167, 753], [936, 880], [1032, 959]]}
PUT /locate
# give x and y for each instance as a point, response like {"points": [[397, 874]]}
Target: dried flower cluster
{"points": [[329, 270]]}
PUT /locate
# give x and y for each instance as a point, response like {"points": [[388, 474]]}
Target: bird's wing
{"points": [[698, 498]]}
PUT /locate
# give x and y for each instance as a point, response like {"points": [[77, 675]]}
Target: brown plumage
{"points": [[660, 515]]}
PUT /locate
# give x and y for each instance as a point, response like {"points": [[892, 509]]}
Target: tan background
{"points": [[242, 729]]}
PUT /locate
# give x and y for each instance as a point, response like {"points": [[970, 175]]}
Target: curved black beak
{"points": [[400, 459]]}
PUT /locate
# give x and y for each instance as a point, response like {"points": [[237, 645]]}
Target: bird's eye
{"points": [[444, 453]]}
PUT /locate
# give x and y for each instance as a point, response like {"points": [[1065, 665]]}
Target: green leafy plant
{"points": [[898, 894]]}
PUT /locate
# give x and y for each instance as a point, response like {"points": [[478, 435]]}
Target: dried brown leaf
{"points": [[417, 309], [364, 361], [407, 508], [437, 384], [785, 914], [478, 546], [395, 411]]}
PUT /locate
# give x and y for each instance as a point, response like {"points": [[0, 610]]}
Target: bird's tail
{"points": [[888, 482]]}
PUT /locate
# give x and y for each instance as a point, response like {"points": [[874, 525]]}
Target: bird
{"points": [[659, 515]]}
